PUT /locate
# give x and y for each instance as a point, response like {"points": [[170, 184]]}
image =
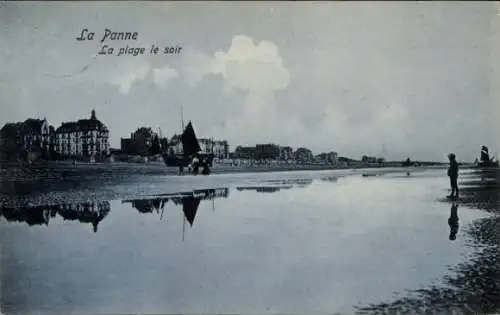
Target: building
{"points": [[37, 136], [220, 148], [85, 139], [33, 139], [286, 153], [267, 151], [126, 146], [141, 142], [327, 158], [175, 145], [244, 152], [368, 159], [11, 141], [303, 155], [206, 145]]}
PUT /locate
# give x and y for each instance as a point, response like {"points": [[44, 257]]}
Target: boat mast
{"points": [[182, 119]]}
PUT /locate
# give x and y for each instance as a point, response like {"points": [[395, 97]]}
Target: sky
{"points": [[390, 79]]}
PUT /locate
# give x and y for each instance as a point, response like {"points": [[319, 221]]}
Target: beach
{"points": [[284, 242]]}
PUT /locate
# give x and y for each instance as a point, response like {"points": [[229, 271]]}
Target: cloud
{"points": [[254, 68], [133, 71], [246, 65], [161, 76]]}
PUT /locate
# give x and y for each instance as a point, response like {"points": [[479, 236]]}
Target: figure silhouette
{"points": [[453, 174], [453, 221]]}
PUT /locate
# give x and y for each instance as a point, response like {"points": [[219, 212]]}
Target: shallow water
{"points": [[298, 242]]}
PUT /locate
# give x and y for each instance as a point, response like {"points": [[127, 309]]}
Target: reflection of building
{"points": [[32, 216], [84, 139], [278, 185], [148, 205], [264, 189], [87, 212]]}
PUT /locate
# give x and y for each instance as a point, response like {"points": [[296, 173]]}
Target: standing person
{"points": [[453, 174]]}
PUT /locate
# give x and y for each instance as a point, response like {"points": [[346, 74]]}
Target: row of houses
{"points": [[144, 141], [283, 153], [85, 139]]}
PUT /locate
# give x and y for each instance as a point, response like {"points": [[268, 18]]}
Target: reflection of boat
{"points": [[190, 202], [190, 207], [147, 205]]}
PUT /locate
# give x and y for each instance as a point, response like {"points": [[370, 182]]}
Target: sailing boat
{"points": [[486, 161], [190, 149]]}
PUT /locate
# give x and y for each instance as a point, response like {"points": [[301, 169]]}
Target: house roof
{"points": [[11, 128], [82, 125], [32, 124]]}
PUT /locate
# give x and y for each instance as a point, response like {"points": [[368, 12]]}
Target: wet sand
{"points": [[291, 242]]}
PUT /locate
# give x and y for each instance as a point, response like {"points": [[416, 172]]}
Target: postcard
{"points": [[261, 157]]}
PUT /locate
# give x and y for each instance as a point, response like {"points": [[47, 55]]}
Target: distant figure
{"points": [[485, 156], [181, 169], [205, 170], [196, 165], [453, 174], [453, 222]]}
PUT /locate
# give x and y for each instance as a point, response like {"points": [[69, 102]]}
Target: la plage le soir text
{"points": [[110, 35]]}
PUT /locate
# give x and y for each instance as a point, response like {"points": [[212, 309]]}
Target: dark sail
{"points": [[485, 157], [189, 207], [190, 143]]}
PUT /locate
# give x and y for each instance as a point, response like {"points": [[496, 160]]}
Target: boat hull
{"points": [[488, 165]]}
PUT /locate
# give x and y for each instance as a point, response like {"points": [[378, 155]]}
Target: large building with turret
{"points": [[85, 139]]}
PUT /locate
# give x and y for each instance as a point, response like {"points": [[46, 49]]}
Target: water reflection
{"points": [[263, 189], [453, 222], [475, 285], [272, 186], [84, 212], [95, 212]]}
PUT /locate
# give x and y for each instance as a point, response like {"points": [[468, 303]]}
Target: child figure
{"points": [[453, 174]]}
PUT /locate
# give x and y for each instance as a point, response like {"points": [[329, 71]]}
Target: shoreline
{"points": [[63, 169]]}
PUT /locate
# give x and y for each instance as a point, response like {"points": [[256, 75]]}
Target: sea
{"points": [[338, 241]]}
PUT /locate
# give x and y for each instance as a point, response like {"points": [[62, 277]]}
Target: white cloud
{"points": [[255, 68], [133, 71], [161, 76], [251, 67], [196, 65]]}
